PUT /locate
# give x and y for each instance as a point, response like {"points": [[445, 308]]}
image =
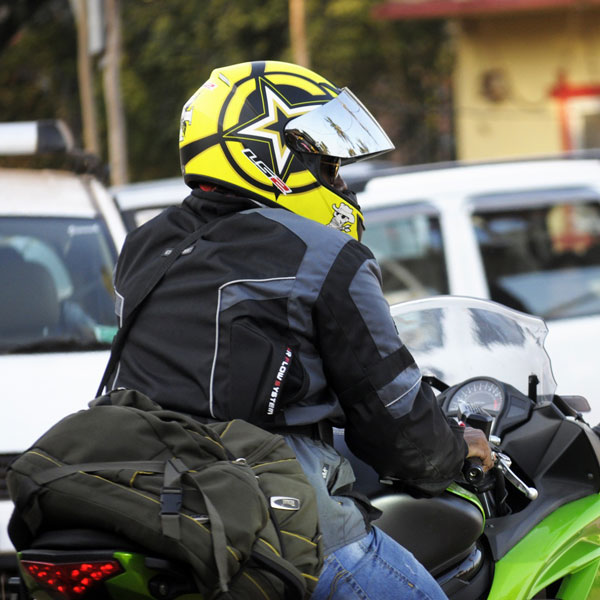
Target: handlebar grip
{"points": [[473, 470]]}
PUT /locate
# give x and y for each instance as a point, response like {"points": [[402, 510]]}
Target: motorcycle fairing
{"points": [[564, 546], [560, 458]]}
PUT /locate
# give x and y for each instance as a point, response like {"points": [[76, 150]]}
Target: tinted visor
{"points": [[342, 127]]}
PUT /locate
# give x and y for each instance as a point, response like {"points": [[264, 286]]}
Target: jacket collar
{"points": [[211, 205]]}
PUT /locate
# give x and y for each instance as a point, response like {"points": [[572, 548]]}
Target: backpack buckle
{"points": [[170, 501]]}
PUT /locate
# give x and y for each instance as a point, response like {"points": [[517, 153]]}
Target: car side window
{"points": [[407, 244], [55, 284], [544, 260]]}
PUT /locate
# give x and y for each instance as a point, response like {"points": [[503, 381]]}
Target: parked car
{"points": [[60, 234], [523, 233], [139, 202]]}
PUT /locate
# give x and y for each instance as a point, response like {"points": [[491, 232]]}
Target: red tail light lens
{"points": [[71, 580]]}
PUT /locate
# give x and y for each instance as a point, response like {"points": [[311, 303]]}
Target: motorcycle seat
{"points": [[82, 539], [439, 531]]}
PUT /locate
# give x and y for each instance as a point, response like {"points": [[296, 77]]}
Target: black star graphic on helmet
{"points": [[268, 126]]}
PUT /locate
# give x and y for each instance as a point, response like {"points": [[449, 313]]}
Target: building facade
{"points": [[527, 73]]}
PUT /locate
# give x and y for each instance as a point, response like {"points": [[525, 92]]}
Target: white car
{"points": [[60, 234], [523, 233], [139, 202]]}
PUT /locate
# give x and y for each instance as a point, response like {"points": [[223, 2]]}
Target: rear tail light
{"points": [[71, 580]]}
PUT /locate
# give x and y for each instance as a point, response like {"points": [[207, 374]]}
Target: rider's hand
{"points": [[479, 447]]}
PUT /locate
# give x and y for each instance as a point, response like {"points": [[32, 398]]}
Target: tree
{"points": [[400, 70], [13, 14], [38, 72], [169, 54]]}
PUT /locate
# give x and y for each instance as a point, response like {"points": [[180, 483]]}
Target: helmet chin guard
{"points": [[266, 129]]}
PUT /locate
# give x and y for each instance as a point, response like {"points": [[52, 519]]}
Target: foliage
{"points": [[38, 68], [169, 54], [400, 70]]}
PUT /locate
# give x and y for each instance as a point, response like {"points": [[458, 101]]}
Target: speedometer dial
{"points": [[485, 394]]}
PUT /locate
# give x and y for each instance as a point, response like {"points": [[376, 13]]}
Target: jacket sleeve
{"points": [[393, 421]]}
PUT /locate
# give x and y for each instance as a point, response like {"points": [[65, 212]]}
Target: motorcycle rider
{"points": [[276, 315]]}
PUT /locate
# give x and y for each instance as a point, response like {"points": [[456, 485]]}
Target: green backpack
{"points": [[229, 499]]}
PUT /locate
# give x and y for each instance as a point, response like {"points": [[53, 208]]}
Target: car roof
{"points": [[439, 184], [45, 193], [146, 194]]}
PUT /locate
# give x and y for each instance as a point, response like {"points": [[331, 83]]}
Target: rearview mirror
{"points": [[578, 403]]}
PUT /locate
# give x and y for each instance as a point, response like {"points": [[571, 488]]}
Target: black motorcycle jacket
{"points": [[276, 319]]}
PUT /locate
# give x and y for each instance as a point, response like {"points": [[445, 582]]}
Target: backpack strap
{"points": [[55, 473], [30, 511], [136, 301], [171, 497], [295, 586]]}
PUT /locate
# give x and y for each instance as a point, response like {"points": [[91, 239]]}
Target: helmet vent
{"points": [[224, 79]]}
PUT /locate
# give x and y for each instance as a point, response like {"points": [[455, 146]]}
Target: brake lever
{"points": [[503, 464]]}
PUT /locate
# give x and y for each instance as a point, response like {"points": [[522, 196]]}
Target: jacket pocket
{"points": [[256, 364]]}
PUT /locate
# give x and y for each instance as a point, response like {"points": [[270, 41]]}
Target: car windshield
{"points": [[56, 289], [407, 244], [543, 260]]}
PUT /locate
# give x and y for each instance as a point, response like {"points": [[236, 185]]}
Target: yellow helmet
{"points": [[278, 132]]}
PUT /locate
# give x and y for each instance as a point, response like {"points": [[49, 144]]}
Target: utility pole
{"points": [[115, 114], [86, 80], [298, 43]]}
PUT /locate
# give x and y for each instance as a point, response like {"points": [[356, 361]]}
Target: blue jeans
{"points": [[375, 568]]}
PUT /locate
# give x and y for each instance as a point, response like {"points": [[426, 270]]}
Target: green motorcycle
{"points": [[529, 528]]}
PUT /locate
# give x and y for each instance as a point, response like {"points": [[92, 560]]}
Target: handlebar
{"points": [[472, 470], [475, 475]]}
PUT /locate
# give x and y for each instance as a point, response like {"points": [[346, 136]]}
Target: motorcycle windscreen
{"points": [[456, 338]]}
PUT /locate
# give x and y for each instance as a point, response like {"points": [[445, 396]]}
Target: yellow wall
{"points": [[530, 50]]}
